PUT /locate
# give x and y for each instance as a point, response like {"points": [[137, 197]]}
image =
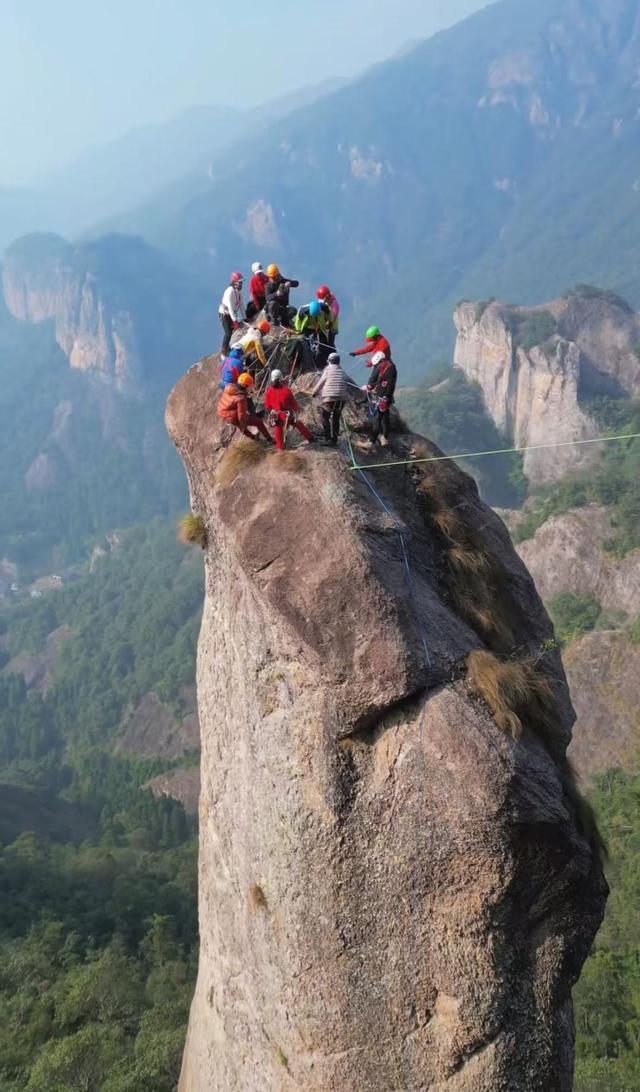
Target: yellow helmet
{"points": [[246, 380], [273, 271]]}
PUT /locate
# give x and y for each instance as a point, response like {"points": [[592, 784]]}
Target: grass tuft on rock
{"points": [[192, 531], [240, 456], [257, 898], [518, 694], [289, 462]]}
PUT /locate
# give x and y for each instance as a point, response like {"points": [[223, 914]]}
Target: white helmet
{"points": [[333, 358], [256, 267], [377, 358], [276, 376]]}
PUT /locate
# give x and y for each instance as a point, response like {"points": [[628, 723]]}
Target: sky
{"points": [[75, 73]]}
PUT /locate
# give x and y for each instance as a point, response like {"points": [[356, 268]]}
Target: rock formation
{"points": [[538, 367], [398, 884], [44, 277]]}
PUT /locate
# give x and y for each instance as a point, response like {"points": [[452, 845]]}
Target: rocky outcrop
{"points": [[538, 368], [604, 674], [182, 784], [154, 729], [45, 277], [567, 554], [396, 888]]}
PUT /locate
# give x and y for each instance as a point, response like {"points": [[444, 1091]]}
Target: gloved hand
{"points": [[352, 354], [287, 284], [364, 388]]}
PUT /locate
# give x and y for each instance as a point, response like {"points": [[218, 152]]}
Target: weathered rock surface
{"points": [[156, 730], [604, 677], [394, 893], [567, 554], [538, 394], [182, 784], [95, 331]]}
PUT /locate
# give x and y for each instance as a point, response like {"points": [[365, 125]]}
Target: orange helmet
{"points": [[273, 271], [324, 292], [264, 327], [246, 380]]}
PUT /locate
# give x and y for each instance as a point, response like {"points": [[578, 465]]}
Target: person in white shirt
{"points": [[231, 310]]}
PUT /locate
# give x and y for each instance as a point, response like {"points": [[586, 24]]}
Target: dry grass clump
{"points": [[192, 531], [241, 456], [517, 693], [470, 560], [257, 898], [288, 461]]}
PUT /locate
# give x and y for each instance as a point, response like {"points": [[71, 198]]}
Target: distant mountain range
{"points": [[497, 158]]}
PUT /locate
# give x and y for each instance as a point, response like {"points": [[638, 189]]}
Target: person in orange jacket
{"points": [[236, 408], [282, 405]]}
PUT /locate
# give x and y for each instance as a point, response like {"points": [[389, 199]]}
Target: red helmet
{"points": [[324, 292], [264, 327], [236, 277]]}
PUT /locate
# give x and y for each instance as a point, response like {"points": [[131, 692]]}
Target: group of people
{"points": [[319, 321]]}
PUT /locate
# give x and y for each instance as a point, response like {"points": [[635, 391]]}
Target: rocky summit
{"points": [[540, 368], [399, 882]]}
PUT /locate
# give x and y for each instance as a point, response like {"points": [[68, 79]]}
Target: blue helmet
{"points": [[315, 308], [238, 352]]}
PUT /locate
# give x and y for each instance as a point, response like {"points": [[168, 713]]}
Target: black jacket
{"points": [[383, 380], [276, 291]]}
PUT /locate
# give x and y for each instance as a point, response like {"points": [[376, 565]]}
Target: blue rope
{"points": [[410, 582]]}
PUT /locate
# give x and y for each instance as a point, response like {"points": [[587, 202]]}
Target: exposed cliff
{"points": [[539, 367], [397, 888]]}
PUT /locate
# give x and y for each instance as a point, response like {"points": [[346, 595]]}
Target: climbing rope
{"points": [[499, 451], [405, 556]]}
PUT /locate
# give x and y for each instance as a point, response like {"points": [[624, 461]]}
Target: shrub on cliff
{"points": [[574, 615]]}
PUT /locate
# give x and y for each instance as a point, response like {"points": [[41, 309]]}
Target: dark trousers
{"points": [[227, 328], [381, 424], [331, 415]]}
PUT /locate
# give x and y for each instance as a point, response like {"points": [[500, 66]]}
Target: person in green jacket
{"points": [[313, 321]]}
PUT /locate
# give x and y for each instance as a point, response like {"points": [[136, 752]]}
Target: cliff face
{"points": [[537, 369], [396, 890], [95, 331]]}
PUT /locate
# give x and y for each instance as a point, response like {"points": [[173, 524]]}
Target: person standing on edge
{"points": [[257, 291], [376, 343], [382, 384], [277, 294], [231, 310], [332, 389], [236, 408], [282, 405], [325, 295]]}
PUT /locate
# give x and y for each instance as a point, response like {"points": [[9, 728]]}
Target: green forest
{"points": [[98, 929]]}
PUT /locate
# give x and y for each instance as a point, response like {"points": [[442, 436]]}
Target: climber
{"points": [[313, 321], [257, 290], [377, 344], [253, 346], [277, 295], [332, 389], [325, 295], [236, 408], [231, 310], [381, 387], [283, 407], [232, 366]]}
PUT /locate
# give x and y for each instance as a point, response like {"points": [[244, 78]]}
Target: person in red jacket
{"points": [[282, 405], [257, 291], [376, 343]]}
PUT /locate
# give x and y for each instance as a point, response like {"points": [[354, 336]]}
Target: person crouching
{"points": [[283, 407], [236, 408]]}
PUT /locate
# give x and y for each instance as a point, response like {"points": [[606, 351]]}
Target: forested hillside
{"points": [[98, 921]]}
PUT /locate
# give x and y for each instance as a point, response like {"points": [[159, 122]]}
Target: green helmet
{"points": [[373, 331]]}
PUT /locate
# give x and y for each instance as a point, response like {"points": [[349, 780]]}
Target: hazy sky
{"points": [[77, 72]]}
